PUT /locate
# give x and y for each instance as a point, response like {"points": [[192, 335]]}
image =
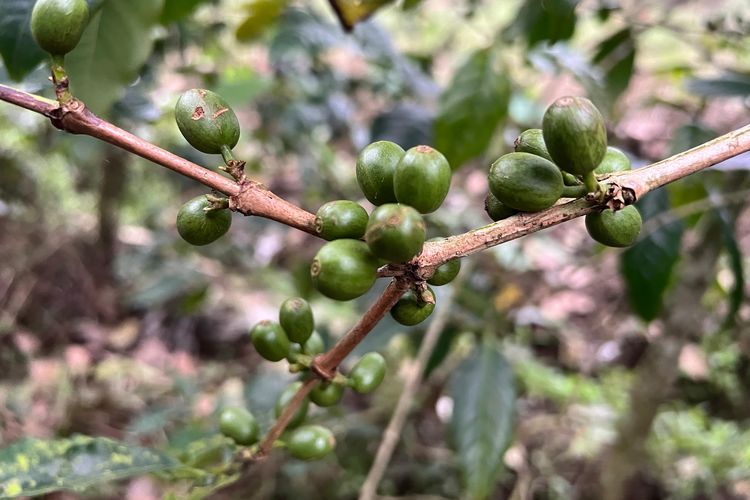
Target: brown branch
{"points": [[247, 197], [286, 416], [411, 384], [630, 186], [326, 364]]}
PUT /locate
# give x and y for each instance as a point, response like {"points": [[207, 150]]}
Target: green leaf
{"points": [[484, 394], [114, 48], [615, 56], [731, 83], [36, 466], [647, 266], [548, 20], [177, 10], [260, 15], [471, 108], [20, 52], [736, 264], [351, 12]]}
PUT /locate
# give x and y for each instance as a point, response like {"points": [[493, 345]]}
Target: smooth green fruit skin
{"points": [[496, 209], [341, 219], [445, 273], [395, 232], [285, 398], [525, 182], [57, 25], [344, 269], [206, 121], [326, 394], [375, 167], [239, 424], [296, 318], [199, 227], [532, 141], [311, 442], [312, 347], [270, 340], [422, 179], [367, 373], [409, 311], [614, 161], [574, 134], [615, 229]]}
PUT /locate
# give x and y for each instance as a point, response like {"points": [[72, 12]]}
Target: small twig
{"points": [[326, 364], [286, 416], [247, 197], [411, 385]]}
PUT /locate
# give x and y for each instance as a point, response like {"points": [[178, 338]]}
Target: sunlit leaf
{"points": [[259, 16], [350, 12], [35, 466]]}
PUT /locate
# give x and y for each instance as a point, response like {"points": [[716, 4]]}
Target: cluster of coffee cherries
{"points": [[294, 339], [562, 160], [403, 185]]}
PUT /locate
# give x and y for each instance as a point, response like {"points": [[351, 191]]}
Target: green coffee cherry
{"points": [[614, 161], [496, 209], [312, 347], [422, 179], [310, 442], [411, 309], [57, 25], [526, 182], [344, 269], [270, 340], [296, 318], [375, 167], [285, 398], [445, 273], [206, 121], [615, 229], [239, 424], [574, 134], [367, 373], [199, 224], [395, 232], [532, 141], [341, 219], [326, 394]]}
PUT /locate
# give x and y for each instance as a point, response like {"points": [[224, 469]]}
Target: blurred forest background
{"points": [[630, 367]]}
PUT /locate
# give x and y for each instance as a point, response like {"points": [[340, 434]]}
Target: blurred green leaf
{"points": [[647, 265], [615, 56], [36, 466], [484, 395], [731, 83], [351, 12], [177, 10], [538, 21], [471, 108], [259, 16], [406, 124], [20, 52], [112, 51]]}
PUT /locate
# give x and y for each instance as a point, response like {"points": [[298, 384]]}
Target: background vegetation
{"points": [[625, 369]]}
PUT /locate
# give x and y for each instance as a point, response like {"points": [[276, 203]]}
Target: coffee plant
{"points": [[565, 163]]}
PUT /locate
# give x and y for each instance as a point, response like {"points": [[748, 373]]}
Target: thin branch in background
{"points": [[412, 383]]}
